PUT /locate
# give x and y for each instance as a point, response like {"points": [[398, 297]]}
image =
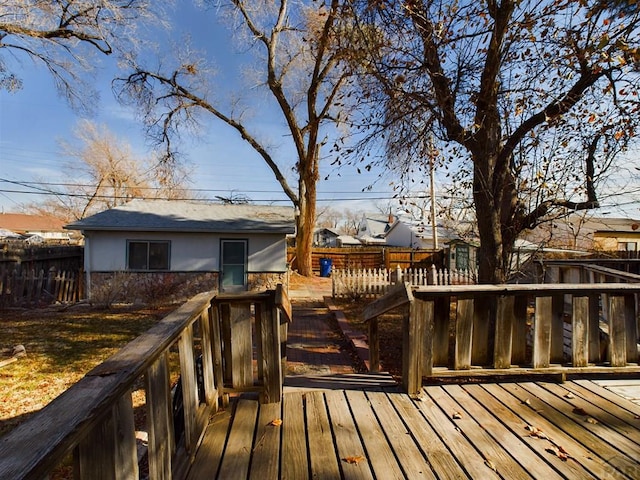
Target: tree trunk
{"points": [[306, 216]]}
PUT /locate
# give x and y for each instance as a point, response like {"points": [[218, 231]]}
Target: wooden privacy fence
{"points": [[510, 329], [347, 283], [94, 418], [28, 288]]}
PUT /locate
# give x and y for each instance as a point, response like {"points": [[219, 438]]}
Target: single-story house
{"points": [[208, 246], [405, 232]]}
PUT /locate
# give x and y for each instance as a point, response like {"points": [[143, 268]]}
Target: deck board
{"points": [[476, 430]]}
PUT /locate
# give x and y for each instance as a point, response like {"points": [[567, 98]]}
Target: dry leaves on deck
{"points": [[276, 422], [354, 459]]}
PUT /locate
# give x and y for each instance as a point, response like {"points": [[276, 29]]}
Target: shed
{"points": [[203, 245]]}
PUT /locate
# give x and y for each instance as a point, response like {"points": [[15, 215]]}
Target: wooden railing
{"points": [[94, 419], [369, 283], [511, 329]]}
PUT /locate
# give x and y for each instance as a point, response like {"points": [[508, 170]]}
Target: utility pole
{"points": [[432, 187]]}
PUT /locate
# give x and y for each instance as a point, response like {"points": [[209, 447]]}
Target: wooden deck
{"points": [[576, 429]]}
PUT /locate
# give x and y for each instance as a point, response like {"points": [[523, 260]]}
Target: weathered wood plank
{"points": [[210, 452], [617, 331], [576, 430], [447, 429], [323, 460], [115, 457], [351, 453], [398, 295], [492, 452], [580, 332], [557, 328], [237, 455], [626, 409], [542, 332], [596, 408], [265, 464], [504, 332], [435, 450], [537, 452], [417, 332], [380, 456], [374, 345], [519, 401], [189, 389], [293, 460], [464, 334], [241, 345], [631, 327], [269, 358], [409, 455], [159, 419], [494, 425]]}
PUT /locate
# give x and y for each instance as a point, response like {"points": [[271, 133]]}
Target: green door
{"points": [[234, 265]]}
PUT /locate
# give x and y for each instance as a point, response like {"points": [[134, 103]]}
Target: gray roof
{"points": [[181, 216]]}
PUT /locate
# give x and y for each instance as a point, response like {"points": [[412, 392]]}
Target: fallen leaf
{"points": [[569, 395], [276, 423], [527, 402], [355, 460], [558, 452], [490, 464], [456, 416], [579, 411], [536, 432], [591, 420]]}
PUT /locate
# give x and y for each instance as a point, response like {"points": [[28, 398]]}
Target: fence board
{"points": [[29, 288]]}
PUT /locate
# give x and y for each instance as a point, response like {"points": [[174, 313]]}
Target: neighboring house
{"points": [[44, 228], [373, 227], [584, 232], [405, 232], [620, 234], [209, 246], [461, 255], [327, 237]]}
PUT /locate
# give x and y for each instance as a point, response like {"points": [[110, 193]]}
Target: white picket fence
{"points": [[358, 283]]}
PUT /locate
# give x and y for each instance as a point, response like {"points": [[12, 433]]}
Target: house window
{"points": [[462, 257], [627, 246], [234, 264], [145, 255]]}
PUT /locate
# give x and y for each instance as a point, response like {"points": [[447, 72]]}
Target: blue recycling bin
{"points": [[325, 267]]}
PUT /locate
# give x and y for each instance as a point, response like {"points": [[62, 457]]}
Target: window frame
{"points": [[165, 268]]}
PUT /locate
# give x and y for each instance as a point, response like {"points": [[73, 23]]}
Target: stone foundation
{"points": [[159, 287]]}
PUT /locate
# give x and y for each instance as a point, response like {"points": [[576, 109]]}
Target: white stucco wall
{"points": [[190, 252]]}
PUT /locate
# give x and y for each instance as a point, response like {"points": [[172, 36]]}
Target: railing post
{"points": [[109, 452]]}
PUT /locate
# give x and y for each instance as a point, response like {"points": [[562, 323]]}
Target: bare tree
{"points": [[106, 173], [531, 102], [65, 36], [303, 65]]}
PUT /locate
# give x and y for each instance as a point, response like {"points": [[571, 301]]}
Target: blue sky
{"points": [[35, 119]]}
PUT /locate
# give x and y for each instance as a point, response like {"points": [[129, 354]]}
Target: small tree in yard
{"points": [[303, 66], [531, 102]]}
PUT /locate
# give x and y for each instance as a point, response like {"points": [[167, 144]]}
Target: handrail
{"points": [[512, 329], [94, 418]]}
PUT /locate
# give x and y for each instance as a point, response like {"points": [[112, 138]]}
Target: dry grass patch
{"points": [[61, 345]]}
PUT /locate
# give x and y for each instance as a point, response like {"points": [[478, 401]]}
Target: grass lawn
{"points": [[61, 345]]}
